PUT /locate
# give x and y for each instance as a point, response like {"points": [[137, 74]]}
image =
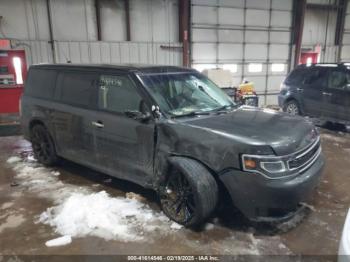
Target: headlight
{"points": [[269, 166]]}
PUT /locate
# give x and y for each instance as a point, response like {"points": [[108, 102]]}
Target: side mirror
{"points": [[142, 114], [137, 115]]}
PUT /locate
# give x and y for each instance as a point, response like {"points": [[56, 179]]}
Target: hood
{"points": [[285, 134]]}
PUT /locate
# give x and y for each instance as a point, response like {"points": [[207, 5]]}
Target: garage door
{"points": [[252, 38]]}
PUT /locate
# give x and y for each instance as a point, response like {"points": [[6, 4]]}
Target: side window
{"points": [[77, 88], [117, 94], [296, 76], [316, 77], [40, 83], [338, 80]]}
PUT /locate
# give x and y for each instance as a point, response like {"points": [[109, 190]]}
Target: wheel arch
{"points": [[293, 98], [35, 122], [173, 162]]}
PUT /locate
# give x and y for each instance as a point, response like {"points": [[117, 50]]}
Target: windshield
{"points": [[183, 93]]}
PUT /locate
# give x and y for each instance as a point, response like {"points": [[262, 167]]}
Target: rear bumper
{"points": [[267, 200]]}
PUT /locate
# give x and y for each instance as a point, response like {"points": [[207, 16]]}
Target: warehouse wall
{"points": [[252, 37], [316, 30], [153, 23], [345, 54]]}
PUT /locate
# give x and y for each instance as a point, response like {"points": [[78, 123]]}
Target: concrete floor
{"points": [[317, 234]]}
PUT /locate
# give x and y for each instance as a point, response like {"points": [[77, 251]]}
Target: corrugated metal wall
{"points": [[246, 34], [100, 52], [345, 54], [154, 23]]}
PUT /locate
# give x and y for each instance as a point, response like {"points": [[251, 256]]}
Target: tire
{"points": [[189, 194], [43, 146], [292, 108]]}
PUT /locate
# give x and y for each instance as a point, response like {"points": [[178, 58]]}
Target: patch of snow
{"points": [[31, 158], [209, 226], [98, 214], [176, 226], [55, 173], [13, 159], [60, 241], [80, 211]]}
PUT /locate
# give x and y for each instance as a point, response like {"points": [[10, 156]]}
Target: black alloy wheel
{"points": [[43, 146], [178, 200]]}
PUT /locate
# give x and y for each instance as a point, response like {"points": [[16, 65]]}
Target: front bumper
{"points": [[265, 200], [281, 100]]}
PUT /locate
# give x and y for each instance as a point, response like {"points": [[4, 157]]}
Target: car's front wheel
{"points": [[292, 108], [43, 146], [189, 194]]}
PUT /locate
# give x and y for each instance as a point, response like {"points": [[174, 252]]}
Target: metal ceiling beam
{"points": [[184, 25]]}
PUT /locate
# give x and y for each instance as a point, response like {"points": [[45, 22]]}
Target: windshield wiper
{"points": [[193, 113]]}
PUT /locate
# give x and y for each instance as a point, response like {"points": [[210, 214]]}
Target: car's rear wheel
{"points": [[190, 193], [43, 146], [292, 108]]}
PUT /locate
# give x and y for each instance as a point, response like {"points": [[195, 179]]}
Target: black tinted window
{"points": [[316, 76], [77, 88], [41, 83], [118, 94], [339, 80], [296, 76]]}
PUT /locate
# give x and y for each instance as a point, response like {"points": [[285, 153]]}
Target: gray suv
{"points": [[318, 90], [172, 130]]}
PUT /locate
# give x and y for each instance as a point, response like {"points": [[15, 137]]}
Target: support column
{"points": [[127, 18], [184, 26], [98, 19], [51, 42], [298, 27], [339, 30]]}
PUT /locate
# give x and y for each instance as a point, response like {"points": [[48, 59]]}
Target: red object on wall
{"points": [[308, 58], [13, 72]]}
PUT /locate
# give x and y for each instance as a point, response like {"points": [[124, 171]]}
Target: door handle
{"points": [[326, 94], [98, 124], [300, 90]]}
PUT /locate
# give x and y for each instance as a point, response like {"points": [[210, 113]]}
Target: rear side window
{"points": [[118, 94], [339, 80], [316, 77], [41, 83], [296, 76], [76, 88]]}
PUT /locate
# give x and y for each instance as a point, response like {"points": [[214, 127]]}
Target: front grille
{"points": [[305, 157]]}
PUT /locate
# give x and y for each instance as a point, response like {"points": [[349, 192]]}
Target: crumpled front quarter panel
{"points": [[211, 149]]}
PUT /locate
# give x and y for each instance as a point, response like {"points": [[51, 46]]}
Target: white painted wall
{"points": [[316, 30], [345, 54], [153, 23]]}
